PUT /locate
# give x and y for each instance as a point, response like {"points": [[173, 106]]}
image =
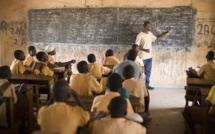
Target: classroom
{"points": [[77, 28]]}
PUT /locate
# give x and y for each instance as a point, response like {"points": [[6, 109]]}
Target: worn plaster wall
{"points": [[169, 64]]}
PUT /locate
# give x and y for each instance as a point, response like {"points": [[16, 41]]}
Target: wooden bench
{"points": [[88, 101]]}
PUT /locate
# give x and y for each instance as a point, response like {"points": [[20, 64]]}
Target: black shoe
{"points": [[150, 88]]}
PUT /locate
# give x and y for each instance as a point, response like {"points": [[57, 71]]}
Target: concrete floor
{"points": [[166, 106]]}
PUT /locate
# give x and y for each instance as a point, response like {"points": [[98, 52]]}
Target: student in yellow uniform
{"points": [[110, 59], [207, 71], [29, 60], [210, 100], [84, 83], [51, 51], [117, 123], [60, 117], [41, 67], [5, 74], [135, 87], [101, 102], [17, 66], [96, 69]]}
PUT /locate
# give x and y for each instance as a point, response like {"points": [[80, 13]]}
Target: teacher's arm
{"points": [[162, 35]]}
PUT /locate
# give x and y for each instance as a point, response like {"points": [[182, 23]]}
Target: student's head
{"points": [[61, 91], [5, 72], [82, 67], [117, 107], [32, 50], [147, 26], [91, 58], [41, 56], [50, 49], [135, 47], [114, 82], [210, 55], [128, 72], [19, 54], [131, 55], [109, 52]]}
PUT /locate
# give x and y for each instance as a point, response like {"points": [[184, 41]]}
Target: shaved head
{"points": [[61, 91]]}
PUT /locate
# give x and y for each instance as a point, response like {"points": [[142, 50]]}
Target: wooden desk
{"points": [[200, 82], [32, 79]]}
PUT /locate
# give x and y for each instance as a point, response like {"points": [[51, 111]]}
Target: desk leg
{"points": [[29, 95], [50, 83]]}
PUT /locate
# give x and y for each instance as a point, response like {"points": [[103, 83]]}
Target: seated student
{"points": [[117, 123], [110, 59], [131, 56], [17, 66], [101, 102], [60, 117], [96, 69], [5, 74], [50, 50], [138, 61], [207, 71], [135, 87], [29, 60], [196, 115], [84, 83], [41, 67]]}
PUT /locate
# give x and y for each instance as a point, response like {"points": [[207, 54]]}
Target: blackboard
{"points": [[105, 26]]}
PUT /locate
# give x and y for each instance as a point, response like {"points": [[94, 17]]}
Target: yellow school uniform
{"points": [[101, 102], [10, 91], [85, 84], [29, 61], [62, 118], [97, 70], [116, 126], [207, 70], [111, 60], [211, 98], [136, 87], [17, 67], [44, 69], [103, 82]]}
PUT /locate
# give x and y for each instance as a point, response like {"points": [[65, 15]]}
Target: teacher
{"points": [[144, 40]]}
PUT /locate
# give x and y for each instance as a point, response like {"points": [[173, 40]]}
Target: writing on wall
{"points": [[205, 32], [16, 31]]}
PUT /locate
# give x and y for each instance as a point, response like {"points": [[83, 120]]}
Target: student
{"points": [[110, 59], [96, 69], [17, 66], [101, 102], [5, 74], [131, 56], [135, 87], [84, 83], [60, 117], [207, 71], [117, 123], [50, 50], [6, 90], [41, 67], [29, 60]]}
